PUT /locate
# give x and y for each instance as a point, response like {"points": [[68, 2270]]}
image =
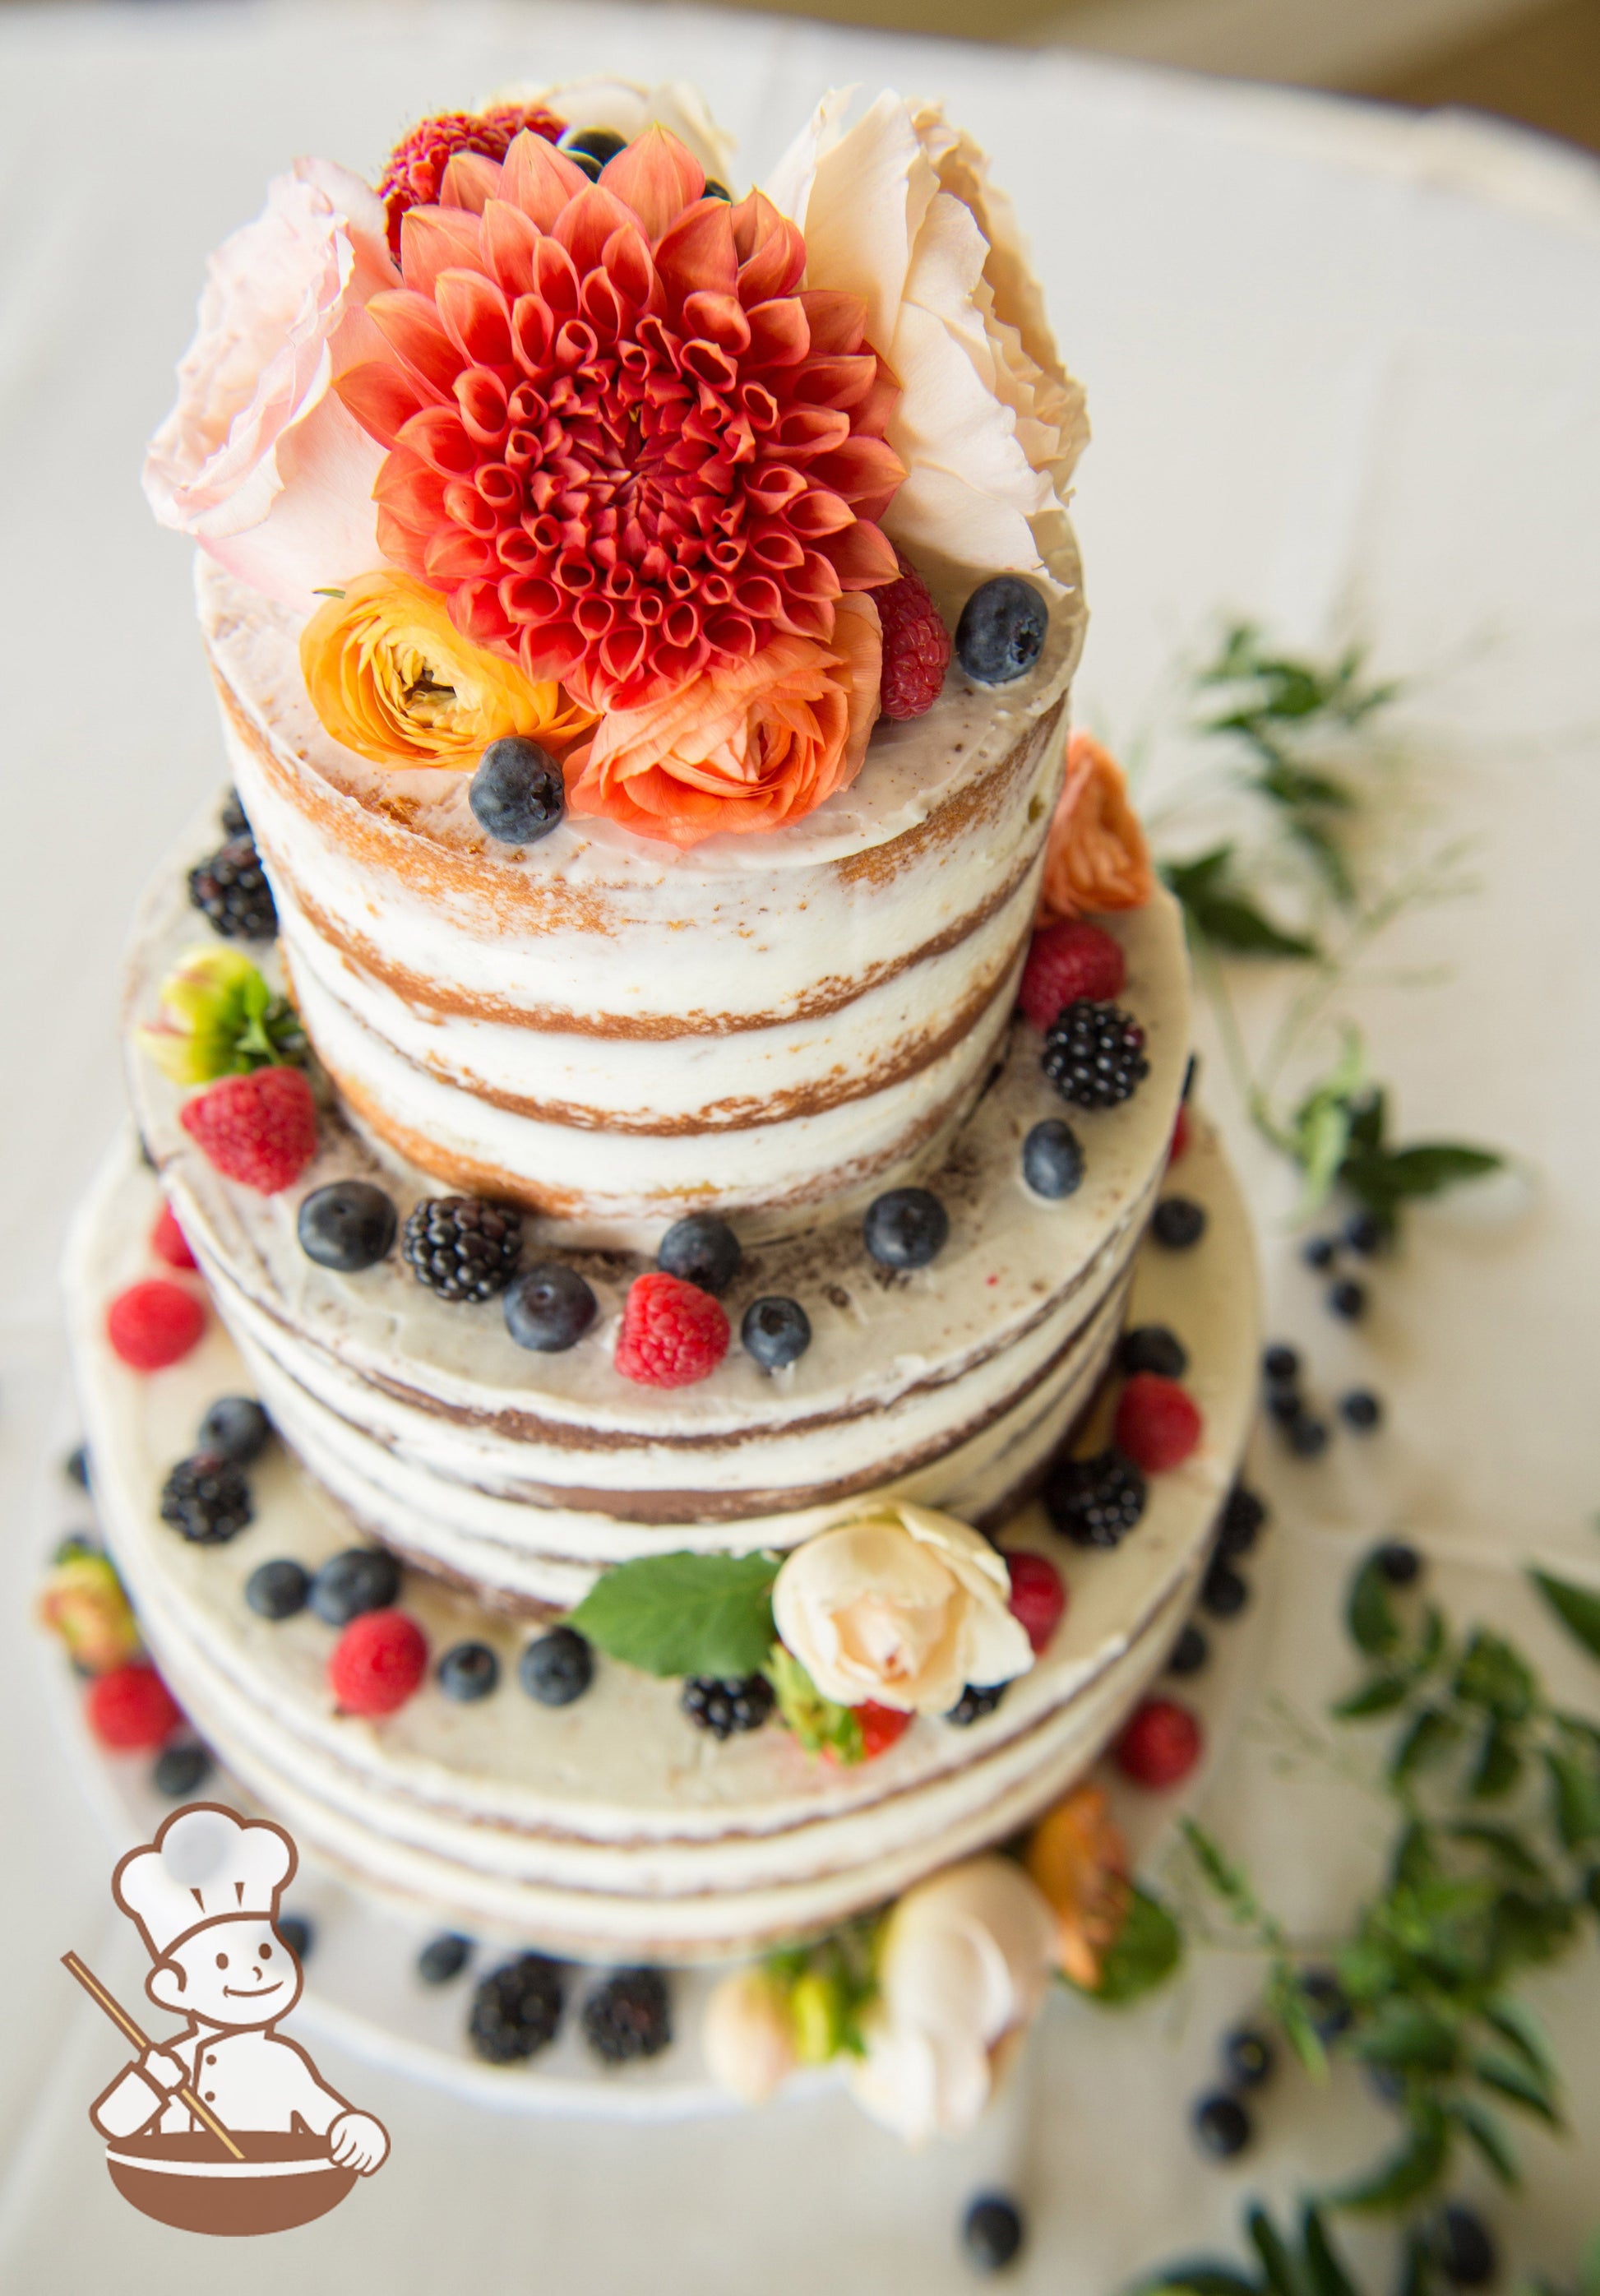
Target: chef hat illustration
{"points": [[205, 1865]]}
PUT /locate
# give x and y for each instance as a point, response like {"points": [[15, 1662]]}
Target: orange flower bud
{"points": [[1096, 857]]}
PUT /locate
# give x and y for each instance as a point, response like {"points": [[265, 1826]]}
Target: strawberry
{"points": [[260, 1129]]}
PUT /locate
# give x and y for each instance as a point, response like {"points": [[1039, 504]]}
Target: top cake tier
{"points": [[611, 1030]]}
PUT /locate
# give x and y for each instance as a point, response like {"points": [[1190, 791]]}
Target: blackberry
{"points": [[230, 888], [462, 1247], [1239, 1525], [179, 1769], [207, 1499], [735, 1703], [236, 1429], [516, 2009], [976, 1701], [277, 1590], [361, 1579], [444, 1957], [232, 817], [1178, 1223], [628, 2017], [1095, 1502], [1222, 2126], [1152, 1347], [991, 2231], [1190, 1652], [702, 1249], [1094, 1053]]}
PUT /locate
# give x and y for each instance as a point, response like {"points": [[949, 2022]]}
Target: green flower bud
{"points": [[219, 1018]]}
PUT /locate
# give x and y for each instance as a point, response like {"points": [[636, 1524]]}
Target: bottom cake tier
{"points": [[612, 1829]]}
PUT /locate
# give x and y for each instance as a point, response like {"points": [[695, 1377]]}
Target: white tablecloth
{"points": [[1344, 369]]}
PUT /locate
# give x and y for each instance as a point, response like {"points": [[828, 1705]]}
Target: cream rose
{"points": [[628, 110], [748, 2036], [259, 460], [963, 1965], [899, 210], [900, 1605]]}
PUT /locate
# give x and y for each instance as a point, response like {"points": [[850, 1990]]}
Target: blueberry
{"points": [[277, 1590], [1191, 1071], [516, 793], [1241, 1521], [1052, 1160], [1280, 1365], [558, 1668], [236, 1429], [715, 190], [444, 1957], [1002, 628], [75, 1466], [1178, 1223], [1327, 2002], [549, 1307], [1152, 1347], [1401, 1565], [297, 1934], [1361, 1410], [361, 1579], [1387, 2084], [991, 2231], [348, 1225], [179, 1769], [1347, 1298], [1222, 2126], [467, 1672], [1464, 2248], [1247, 2056], [1308, 1436], [702, 1250], [1223, 1593], [1318, 1251], [905, 1228], [1364, 1234], [775, 1332], [1285, 1405], [1190, 1652], [596, 144]]}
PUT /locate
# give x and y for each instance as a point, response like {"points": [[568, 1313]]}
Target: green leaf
{"points": [[1379, 1696], [1148, 1948], [1405, 2175], [1519, 2085], [1508, 1850], [1417, 2268], [1278, 2265], [683, 1614], [1519, 2027], [1484, 2132], [1428, 1740], [1326, 2273], [1370, 1615], [1409, 2036], [1287, 2002], [1575, 1798], [1493, 1675], [1588, 2268], [1577, 1607], [1295, 787], [1221, 912], [1500, 1763], [1199, 2280]]}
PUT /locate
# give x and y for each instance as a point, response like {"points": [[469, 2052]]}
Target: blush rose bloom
{"points": [[750, 748], [963, 1965], [899, 1605], [748, 2036], [1096, 857], [259, 461], [899, 210]]}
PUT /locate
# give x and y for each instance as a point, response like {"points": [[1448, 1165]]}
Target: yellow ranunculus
{"points": [[392, 678]]}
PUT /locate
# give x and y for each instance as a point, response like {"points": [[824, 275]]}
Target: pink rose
{"points": [[259, 460]]}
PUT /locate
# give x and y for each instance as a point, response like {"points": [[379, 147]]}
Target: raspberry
{"points": [[168, 1241], [153, 1324], [132, 1706], [1160, 1745], [1158, 1423], [416, 168], [378, 1661], [1066, 962], [916, 644], [1180, 1134], [1038, 1597], [672, 1332], [258, 1130], [880, 1725]]}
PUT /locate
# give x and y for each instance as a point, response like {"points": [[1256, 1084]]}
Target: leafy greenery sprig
{"points": [[1306, 2262]]}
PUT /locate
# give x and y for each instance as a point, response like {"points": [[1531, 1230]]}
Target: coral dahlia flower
{"points": [[622, 442]]}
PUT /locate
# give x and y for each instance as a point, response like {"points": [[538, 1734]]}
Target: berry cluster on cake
{"points": [[666, 1375]]}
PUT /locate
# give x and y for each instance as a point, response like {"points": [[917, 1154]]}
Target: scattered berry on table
{"points": [[673, 1334], [558, 1668], [207, 1499], [977, 1700], [517, 794], [916, 644], [728, 1704], [360, 1578], [1241, 1522], [180, 1770], [1364, 1234], [444, 1957], [1400, 1564], [1094, 1053], [1001, 632], [153, 1324], [1347, 1298], [1177, 1222], [258, 1130], [1065, 963], [1052, 1160], [1280, 1365], [1327, 2003], [463, 1247], [1095, 1502], [1386, 2082], [1361, 1410], [1247, 2056], [236, 1429], [230, 816], [1158, 1423], [906, 1227], [1160, 1744], [279, 1590], [1285, 1405], [1320, 1252], [629, 2017], [549, 1307], [131, 1710], [1222, 1591], [881, 1726], [1152, 1347], [516, 2009], [348, 1225], [1038, 1597], [75, 1466], [230, 888], [1462, 2247], [991, 2232], [702, 1249], [1306, 1435], [775, 1332], [297, 1934], [378, 1662], [168, 1241], [1222, 2126], [467, 1672], [1177, 1146], [1190, 1652]]}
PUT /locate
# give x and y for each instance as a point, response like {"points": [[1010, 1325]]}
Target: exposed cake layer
{"points": [[604, 1028], [612, 1827]]}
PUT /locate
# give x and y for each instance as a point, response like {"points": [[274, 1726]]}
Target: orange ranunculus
{"points": [[1096, 857], [392, 676], [750, 747], [1078, 1858]]}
